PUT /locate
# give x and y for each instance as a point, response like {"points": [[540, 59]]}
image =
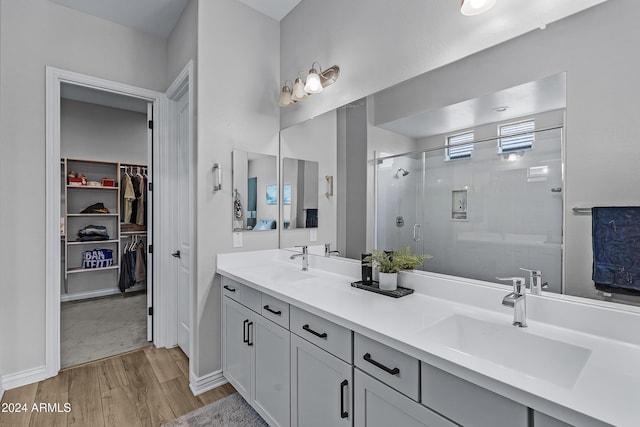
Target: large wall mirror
{"points": [[491, 212], [255, 191]]}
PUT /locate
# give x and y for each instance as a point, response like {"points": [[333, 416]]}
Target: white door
{"points": [[237, 346], [183, 221], [321, 386], [270, 388], [149, 213], [378, 405]]}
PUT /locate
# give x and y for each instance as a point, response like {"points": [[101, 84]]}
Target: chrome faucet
{"points": [[516, 299], [304, 255], [535, 281], [328, 251]]}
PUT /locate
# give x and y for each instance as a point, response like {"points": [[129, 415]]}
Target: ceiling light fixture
{"points": [[475, 7], [314, 82]]}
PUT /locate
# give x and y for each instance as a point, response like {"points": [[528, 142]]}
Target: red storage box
{"points": [[75, 181], [106, 182]]}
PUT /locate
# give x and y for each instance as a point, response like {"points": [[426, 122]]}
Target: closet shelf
{"points": [[91, 242], [91, 187], [131, 233], [84, 270]]}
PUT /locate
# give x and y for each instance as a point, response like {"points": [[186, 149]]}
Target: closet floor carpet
{"points": [[98, 328]]}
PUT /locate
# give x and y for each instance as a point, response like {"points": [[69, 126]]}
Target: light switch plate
{"points": [[313, 235], [237, 239]]}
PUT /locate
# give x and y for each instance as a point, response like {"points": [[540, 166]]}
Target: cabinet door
{"points": [[378, 405], [236, 356], [270, 390], [321, 387]]}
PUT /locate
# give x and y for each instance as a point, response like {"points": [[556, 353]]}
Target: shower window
{"points": [[457, 149], [522, 138], [510, 216]]}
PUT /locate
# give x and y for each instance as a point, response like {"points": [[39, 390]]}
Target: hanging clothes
{"points": [[135, 183], [141, 264], [128, 196], [140, 201], [133, 264]]}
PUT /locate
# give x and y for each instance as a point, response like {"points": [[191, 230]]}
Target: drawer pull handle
{"points": [[229, 289], [245, 331], [249, 330], [394, 371], [343, 413], [311, 331], [270, 310]]}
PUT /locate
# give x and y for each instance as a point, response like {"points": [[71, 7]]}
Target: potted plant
{"points": [[389, 264]]}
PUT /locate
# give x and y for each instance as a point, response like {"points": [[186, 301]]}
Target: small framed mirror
{"points": [[299, 194], [255, 191]]}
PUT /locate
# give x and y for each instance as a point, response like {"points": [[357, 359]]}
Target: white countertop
{"points": [[606, 389]]}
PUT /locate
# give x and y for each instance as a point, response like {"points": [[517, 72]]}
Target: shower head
{"points": [[403, 171]]}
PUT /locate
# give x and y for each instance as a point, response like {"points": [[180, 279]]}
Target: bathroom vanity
{"points": [[304, 348]]}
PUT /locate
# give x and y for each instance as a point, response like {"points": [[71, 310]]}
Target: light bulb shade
{"points": [[298, 93], [313, 84], [475, 7], [285, 97]]}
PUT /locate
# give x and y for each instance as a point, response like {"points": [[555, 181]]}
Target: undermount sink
{"points": [[280, 273], [514, 348]]}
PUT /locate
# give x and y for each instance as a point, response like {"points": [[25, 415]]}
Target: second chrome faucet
{"points": [[517, 300], [305, 257]]}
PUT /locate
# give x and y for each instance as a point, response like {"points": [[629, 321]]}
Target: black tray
{"points": [[374, 287]]}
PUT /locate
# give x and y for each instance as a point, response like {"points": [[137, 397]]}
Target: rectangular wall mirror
{"points": [[255, 191], [299, 194]]}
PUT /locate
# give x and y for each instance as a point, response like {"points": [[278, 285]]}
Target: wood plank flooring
{"points": [[142, 388]]}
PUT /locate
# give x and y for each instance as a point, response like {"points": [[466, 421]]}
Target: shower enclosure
{"points": [[481, 210]]}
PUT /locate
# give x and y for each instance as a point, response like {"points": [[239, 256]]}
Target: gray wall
{"points": [[236, 110], [377, 44], [95, 132], [36, 33]]}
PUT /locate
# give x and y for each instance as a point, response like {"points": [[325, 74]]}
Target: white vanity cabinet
{"points": [[321, 387], [378, 405], [255, 356], [468, 404]]}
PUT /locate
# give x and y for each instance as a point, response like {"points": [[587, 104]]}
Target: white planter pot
{"points": [[388, 281]]}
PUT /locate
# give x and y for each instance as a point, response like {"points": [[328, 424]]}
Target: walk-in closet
{"points": [[105, 228]]}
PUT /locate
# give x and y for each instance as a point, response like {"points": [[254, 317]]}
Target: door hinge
{"points": [[150, 124], [151, 186], [150, 249], [150, 311]]}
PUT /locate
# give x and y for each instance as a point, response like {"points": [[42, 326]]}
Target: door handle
{"points": [[176, 254], [250, 334], [245, 331], [392, 371], [270, 310], [311, 331], [343, 413]]}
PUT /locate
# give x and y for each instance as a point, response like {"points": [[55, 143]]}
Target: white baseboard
{"points": [[199, 385], [99, 293], [19, 379]]}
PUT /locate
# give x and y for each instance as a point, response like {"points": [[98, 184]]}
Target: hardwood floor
{"points": [[142, 388]]}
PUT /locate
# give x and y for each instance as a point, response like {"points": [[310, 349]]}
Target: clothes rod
{"points": [[581, 211], [493, 138]]}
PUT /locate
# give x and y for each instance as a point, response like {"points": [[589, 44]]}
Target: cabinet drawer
{"points": [[468, 404], [325, 334], [245, 295], [392, 367], [275, 310]]}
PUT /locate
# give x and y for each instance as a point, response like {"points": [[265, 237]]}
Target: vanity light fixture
{"points": [[285, 95], [314, 82], [298, 93], [475, 7]]}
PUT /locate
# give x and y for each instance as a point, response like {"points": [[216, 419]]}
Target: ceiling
{"points": [[158, 17], [529, 98]]}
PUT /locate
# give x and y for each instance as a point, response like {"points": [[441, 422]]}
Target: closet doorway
{"points": [[162, 165], [105, 228]]}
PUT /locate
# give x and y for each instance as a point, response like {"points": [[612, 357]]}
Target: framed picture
{"points": [[272, 194]]}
